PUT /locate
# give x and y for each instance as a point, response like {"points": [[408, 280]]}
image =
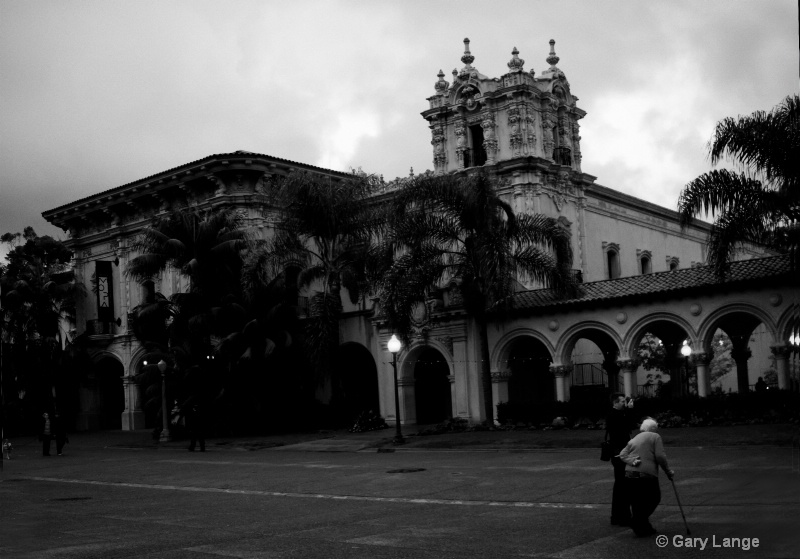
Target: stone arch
{"points": [[739, 321], [502, 348], [405, 361], [595, 329], [589, 380], [426, 379], [787, 323], [136, 362], [643, 325], [716, 319], [104, 400]]}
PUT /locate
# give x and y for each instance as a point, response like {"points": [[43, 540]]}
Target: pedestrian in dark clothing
{"points": [[761, 386], [619, 424], [193, 412], [59, 433], [643, 456], [46, 434]]}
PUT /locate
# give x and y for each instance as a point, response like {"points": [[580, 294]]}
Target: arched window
{"points": [[645, 261], [673, 263], [613, 268], [613, 264]]}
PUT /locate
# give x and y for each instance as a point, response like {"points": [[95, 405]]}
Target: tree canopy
{"points": [[759, 201]]}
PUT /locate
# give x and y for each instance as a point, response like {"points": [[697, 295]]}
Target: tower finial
{"points": [[516, 63], [441, 85], [552, 60], [467, 58]]}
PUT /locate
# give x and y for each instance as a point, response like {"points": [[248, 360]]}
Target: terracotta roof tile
{"points": [[702, 277]]}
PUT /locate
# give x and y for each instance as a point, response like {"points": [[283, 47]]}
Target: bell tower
{"points": [[521, 128], [480, 121]]}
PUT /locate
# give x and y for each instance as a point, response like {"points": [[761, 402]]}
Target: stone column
{"points": [[408, 401], [452, 379], [781, 353], [740, 354], [701, 361], [628, 368], [133, 415], [499, 389], [560, 373]]}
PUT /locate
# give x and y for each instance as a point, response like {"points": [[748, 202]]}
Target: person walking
{"points": [[643, 456], [192, 410], [46, 434], [619, 424], [59, 432]]}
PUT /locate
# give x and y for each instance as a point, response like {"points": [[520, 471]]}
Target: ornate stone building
{"points": [[641, 272]]}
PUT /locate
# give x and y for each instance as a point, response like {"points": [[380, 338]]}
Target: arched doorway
{"points": [[432, 388], [356, 377], [531, 382], [110, 394]]}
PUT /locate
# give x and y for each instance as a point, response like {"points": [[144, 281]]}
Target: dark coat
{"points": [[619, 424]]}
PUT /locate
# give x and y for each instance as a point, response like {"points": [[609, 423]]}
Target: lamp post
{"points": [[686, 351], [162, 366], [394, 346]]}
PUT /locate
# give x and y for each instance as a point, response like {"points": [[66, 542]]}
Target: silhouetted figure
{"points": [[194, 414], [46, 433], [761, 386], [619, 424]]}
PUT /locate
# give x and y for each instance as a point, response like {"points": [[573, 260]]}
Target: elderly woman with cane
{"points": [[643, 456]]}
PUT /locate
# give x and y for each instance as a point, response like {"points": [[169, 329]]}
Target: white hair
{"points": [[649, 424]]}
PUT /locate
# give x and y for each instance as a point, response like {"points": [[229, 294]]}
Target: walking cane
{"points": [[688, 532]]}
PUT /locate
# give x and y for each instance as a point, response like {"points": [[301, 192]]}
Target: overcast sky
{"points": [[96, 94]]}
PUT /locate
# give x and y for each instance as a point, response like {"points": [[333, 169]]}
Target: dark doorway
{"points": [[432, 388], [357, 378], [531, 381], [110, 394]]}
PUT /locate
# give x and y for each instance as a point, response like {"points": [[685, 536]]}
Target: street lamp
{"points": [[162, 366], [686, 351], [394, 346]]}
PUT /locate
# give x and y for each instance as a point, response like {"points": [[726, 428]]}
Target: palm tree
{"points": [[454, 227], [324, 228], [759, 203], [207, 248]]}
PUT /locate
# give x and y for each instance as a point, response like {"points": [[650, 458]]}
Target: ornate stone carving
{"points": [[447, 342], [548, 119], [489, 138], [695, 309], [219, 185], [622, 317], [701, 358], [553, 325], [627, 364], [441, 85], [439, 153], [576, 143], [515, 128], [775, 299], [530, 122], [500, 376], [561, 370], [516, 63], [461, 142]]}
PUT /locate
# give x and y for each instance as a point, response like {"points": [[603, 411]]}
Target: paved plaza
{"points": [[110, 496]]}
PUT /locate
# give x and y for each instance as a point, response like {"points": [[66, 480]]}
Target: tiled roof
{"points": [[700, 278]]}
